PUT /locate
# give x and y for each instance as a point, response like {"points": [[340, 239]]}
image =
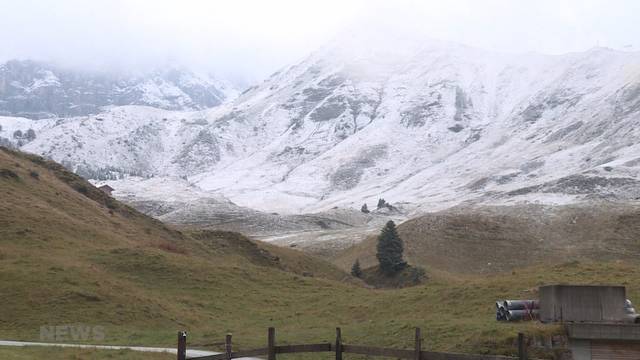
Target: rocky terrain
{"points": [[39, 90], [179, 203]]}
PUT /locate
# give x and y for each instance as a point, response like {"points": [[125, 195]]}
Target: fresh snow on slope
{"points": [[428, 124], [39, 90]]}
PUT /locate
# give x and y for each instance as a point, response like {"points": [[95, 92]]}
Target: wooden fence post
{"points": [[227, 346], [182, 345], [418, 347], [522, 351], [338, 344], [271, 344]]}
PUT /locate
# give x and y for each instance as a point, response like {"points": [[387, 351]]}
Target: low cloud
{"points": [[251, 39]]}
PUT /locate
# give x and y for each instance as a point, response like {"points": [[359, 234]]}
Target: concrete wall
{"points": [[600, 331], [580, 349], [582, 303]]}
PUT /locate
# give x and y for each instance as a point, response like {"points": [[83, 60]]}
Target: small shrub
{"points": [[356, 270], [81, 188], [382, 203], [9, 174], [416, 275], [30, 135], [34, 174], [364, 209], [111, 204]]}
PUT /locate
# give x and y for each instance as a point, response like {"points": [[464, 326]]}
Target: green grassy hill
{"points": [[69, 254]]}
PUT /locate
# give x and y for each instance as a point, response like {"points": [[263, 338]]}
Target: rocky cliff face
{"points": [[40, 90], [427, 123]]}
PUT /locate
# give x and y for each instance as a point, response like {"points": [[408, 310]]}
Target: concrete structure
{"points": [[582, 303], [597, 325], [594, 331], [600, 341]]}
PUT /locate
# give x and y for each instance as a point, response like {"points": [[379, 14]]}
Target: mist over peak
{"points": [[246, 40]]}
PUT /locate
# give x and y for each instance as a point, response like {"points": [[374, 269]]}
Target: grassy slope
{"points": [[499, 239], [64, 259], [229, 245], [71, 256]]}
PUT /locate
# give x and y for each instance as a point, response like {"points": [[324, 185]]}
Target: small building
{"points": [[582, 303], [604, 341], [599, 320], [106, 189]]}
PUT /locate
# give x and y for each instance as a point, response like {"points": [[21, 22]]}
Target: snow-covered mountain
{"points": [[41, 90], [426, 123]]}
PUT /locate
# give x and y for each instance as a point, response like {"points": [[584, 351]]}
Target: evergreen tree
{"points": [[381, 203], [364, 209], [390, 250], [356, 270]]}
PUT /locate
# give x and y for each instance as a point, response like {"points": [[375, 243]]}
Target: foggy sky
{"points": [[251, 39]]}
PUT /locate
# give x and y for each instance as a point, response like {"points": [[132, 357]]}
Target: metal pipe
{"points": [[521, 304], [523, 315]]}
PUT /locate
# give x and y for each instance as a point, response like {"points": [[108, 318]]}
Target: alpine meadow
{"points": [[421, 180]]}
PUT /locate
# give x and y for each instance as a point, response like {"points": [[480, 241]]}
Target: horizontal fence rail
{"points": [[377, 351], [339, 348], [308, 348]]}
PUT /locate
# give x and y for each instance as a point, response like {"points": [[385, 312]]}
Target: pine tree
{"points": [[364, 209], [356, 270], [390, 250], [381, 203]]}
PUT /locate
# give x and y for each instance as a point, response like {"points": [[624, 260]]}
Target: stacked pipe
{"points": [[517, 310]]}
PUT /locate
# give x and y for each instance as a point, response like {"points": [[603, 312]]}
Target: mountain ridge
{"points": [[434, 125], [36, 89]]}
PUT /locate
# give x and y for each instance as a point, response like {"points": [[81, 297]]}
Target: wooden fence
{"points": [[340, 348]]}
